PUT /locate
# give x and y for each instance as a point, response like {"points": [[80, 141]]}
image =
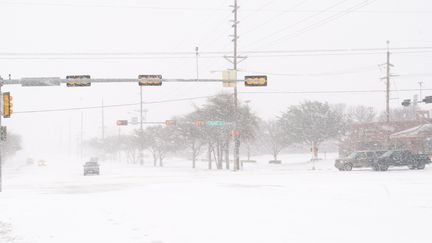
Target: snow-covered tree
{"points": [[312, 123]]}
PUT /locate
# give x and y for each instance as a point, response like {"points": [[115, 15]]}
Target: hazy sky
{"points": [[178, 26]]}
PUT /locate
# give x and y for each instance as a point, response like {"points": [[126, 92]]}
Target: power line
{"points": [[113, 106], [188, 9], [300, 21], [204, 54], [210, 96], [116, 6], [328, 19]]}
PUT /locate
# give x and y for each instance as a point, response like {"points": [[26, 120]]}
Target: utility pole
{"points": [[197, 63], [235, 61], [388, 83], [236, 138]]}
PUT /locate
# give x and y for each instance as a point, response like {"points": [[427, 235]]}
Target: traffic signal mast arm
{"points": [[109, 80]]}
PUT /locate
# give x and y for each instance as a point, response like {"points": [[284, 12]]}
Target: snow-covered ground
{"points": [[263, 203]]}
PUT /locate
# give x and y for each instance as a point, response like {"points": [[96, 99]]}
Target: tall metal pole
{"points": [[421, 89], [236, 138], [197, 63], [388, 83], [82, 138], [103, 121]]}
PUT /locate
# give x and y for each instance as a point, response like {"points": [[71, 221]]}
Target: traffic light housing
{"points": [[169, 123], [256, 80], [7, 105], [78, 81], [427, 99], [406, 103], [150, 80]]}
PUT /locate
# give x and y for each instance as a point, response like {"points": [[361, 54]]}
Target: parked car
{"points": [[399, 158], [91, 168], [358, 159]]}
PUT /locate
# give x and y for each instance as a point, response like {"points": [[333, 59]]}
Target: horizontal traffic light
{"points": [[150, 80], [78, 81], [427, 99], [406, 103], [256, 80]]}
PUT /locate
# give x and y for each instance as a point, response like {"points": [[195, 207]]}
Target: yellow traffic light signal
{"points": [[256, 80], [150, 80], [7, 105]]}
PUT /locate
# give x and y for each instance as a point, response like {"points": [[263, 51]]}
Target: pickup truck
{"points": [[91, 167], [358, 159], [398, 158]]}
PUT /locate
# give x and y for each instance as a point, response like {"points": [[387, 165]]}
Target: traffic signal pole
{"points": [[1, 115]]}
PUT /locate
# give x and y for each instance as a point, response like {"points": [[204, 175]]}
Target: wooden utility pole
{"points": [[388, 83]]}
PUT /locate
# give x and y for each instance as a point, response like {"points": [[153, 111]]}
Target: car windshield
{"points": [[353, 155], [91, 164], [388, 153]]}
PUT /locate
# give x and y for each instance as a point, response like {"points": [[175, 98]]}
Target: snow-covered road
{"points": [[263, 203]]}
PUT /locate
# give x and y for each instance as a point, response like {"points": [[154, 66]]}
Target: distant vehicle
{"points": [[359, 159], [398, 158], [91, 168], [42, 163], [30, 161]]}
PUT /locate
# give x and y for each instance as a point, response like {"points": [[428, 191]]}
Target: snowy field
{"points": [[263, 203]]}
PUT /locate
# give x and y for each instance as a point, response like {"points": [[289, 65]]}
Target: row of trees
{"points": [[11, 146], [309, 123]]}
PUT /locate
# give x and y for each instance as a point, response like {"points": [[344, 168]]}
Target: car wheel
{"points": [[412, 167], [348, 167], [421, 166], [383, 167]]}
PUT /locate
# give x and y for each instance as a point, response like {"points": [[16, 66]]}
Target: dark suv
{"points": [[401, 158], [358, 159]]}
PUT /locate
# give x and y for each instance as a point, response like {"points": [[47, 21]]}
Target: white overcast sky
{"points": [[50, 26]]}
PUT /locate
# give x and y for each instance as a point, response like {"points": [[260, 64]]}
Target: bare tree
{"points": [[362, 114], [273, 137]]}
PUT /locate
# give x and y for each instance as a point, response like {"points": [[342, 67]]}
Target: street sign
{"points": [[122, 123], [170, 122], [216, 123], [199, 123], [3, 133], [230, 77], [78, 81], [256, 80], [134, 120], [31, 82], [150, 80], [235, 134]]}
